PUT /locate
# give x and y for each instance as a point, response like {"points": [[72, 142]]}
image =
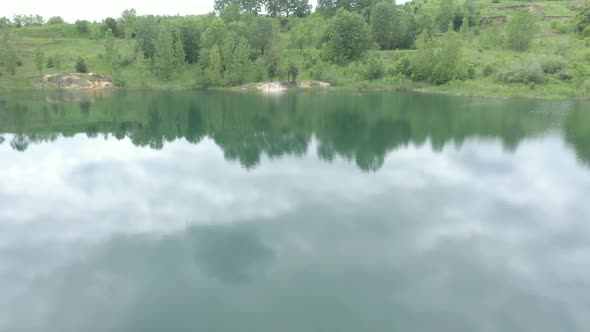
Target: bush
{"points": [[374, 68], [565, 75], [55, 20], [346, 38], [404, 66], [81, 66], [552, 64], [50, 63], [521, 72], [488, 70], [471, 72], [582, 20], [83, 26]]}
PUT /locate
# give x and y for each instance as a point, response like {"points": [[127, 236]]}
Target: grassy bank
{"points": [[489, 61]]}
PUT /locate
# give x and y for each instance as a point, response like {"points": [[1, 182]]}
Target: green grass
{"points": [[65, 41]]}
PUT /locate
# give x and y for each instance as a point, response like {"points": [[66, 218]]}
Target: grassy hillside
{"points": [[555, 41]]}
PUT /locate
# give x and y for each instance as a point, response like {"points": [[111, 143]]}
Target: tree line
{"points": [[255, 40]]}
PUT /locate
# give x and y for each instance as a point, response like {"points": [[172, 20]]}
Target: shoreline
{"points": [[412, 87]]}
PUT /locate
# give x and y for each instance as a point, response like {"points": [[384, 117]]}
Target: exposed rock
{"points": [[89, 81], [283, 86]]}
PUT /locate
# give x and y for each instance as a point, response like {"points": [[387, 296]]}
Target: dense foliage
{"points": [[344, 42]]}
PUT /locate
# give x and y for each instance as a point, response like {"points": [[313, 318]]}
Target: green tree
{"points": [[231, 13], [39, 59], [250, 6], [80, 66], [330, 7], [447, 12], [215, 34], [521, 29], [292, 73], [190, 32], [127, 23], [83, 27], [213, 71], [383, 18], [299, 8], [582, 20], [346, 38], [142, 67], [179, 54], [10, 59], [110, 51], [147, 31], [164, 58], [449, 61], [261, 33], [111, 23], [300, 36], [55, 20], [424, 59], [241, 65]]}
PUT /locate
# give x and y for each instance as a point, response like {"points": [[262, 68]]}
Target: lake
{"points": [[324, 212]]}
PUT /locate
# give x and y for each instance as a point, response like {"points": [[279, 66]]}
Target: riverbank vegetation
{"points": [[469, 47]]}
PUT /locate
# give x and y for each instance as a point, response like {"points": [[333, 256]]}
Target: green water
{"points": [[322, 212]]}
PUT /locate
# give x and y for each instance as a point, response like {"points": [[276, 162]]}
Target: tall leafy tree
{"points": [[190, 32], [330, 7], [424, 59], [241, 65], [582, 20], [261, 33], [164, 60], [147, 31], [179, 54], [215, 34], [250, 6], [10, 59], [383, 24], [447, 12], [299, 8], [449, 63], [521, 29], [110, 51], [127, 22], [214, 69], [346, 38]]}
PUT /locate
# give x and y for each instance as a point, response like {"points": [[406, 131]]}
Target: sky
{"points": [[72, 10]]}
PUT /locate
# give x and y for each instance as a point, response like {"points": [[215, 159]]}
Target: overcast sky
{"points": [[72, 10]]}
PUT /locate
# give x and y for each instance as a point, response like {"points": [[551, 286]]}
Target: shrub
{"points": [[521, 29], [83, 26], [521, 72], [346, 38], [488, 70], [560, 27], [565, 75], [50, 63], [404, 66], [81, 66], [582, 20], [552, 64], [293, 72], [55, 20], [471, 72], [374, 68]]}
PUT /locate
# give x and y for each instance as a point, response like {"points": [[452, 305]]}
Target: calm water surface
{"points": [[187, 211]]}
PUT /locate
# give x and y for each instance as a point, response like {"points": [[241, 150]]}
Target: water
{"points": [[327, 212]]}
